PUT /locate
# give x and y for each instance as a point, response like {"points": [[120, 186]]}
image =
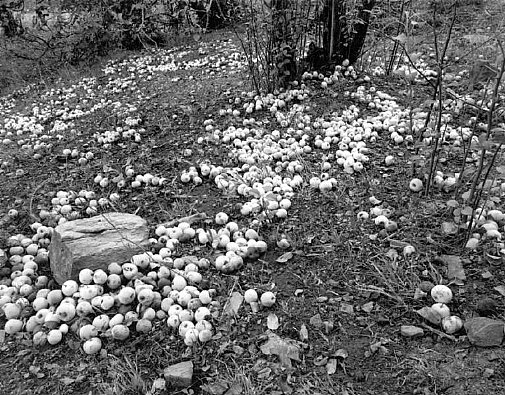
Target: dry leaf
{"points": [[272, 322], [367, 307], [233, 304], [286, 350], [69, 381], [284, 257], [341, 353], [449, 228], [392, 254], [304, 333], [331, 366], [215, 389], [316, 321], [430, 315], [455, 269], [500, 289]]}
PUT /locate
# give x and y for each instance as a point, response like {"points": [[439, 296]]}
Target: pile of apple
{"points": [[152, 289]]}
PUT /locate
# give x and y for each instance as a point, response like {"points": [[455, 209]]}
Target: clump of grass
{"points": [[125, 378]]}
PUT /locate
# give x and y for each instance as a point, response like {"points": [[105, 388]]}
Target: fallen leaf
{"points": [[316, 321], [341, 353], [304, 333], [286, 350], [272, 322], [69, 380], [284, 257], [320, 361], [392, 254], [347, 308], [233, 304], [235, 389], [449, 228], [500, 289], [455, 269], [367, 307], [215, 388], [158, 384], [430, 315], [331, 366]]}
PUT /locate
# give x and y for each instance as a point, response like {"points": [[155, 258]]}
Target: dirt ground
{"points": [[341, 285]]}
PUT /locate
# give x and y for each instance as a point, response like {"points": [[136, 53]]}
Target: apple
{"points": [[442, 309], [250, 296], [130, 270], [267, 299], [100, 277], [441, 294], [145, 296], [86, 276], [126, 295], [101, 322], [92, 346], [54, 336], [120, 332], [202, 313], [69, 287], [452, 324], [55, 297], [66, 311], [221, 218]]}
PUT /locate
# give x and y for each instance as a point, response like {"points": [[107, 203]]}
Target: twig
{"points": [[439, 333]]}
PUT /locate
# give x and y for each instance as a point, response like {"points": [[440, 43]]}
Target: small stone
{"points": [[486, 275], [488, 372], [411, 331], [486, 307], [322, 299], [180, 374], [484, 332], [347, 308]]}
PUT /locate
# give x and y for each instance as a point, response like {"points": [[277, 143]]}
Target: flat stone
{"points": [[95, 242], [180, 374], [484, 332], [411, 331]]}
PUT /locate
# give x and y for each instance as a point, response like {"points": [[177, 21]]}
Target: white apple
{"points": [[126, 295], [54, 336], [66, 311], [69, 287], [86, 276], [267, 299], [99, 277], [92, 346]]}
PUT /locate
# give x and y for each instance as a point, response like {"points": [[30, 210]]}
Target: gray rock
{"points": [[484, 332], [411, 331], [95, 242], [180, 374]]}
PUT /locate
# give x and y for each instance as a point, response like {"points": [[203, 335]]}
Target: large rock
{"points": [[180, 374], [484, 332], [95, 242]]}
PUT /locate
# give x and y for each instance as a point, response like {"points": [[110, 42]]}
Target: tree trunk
{"points": [[341, 40]]}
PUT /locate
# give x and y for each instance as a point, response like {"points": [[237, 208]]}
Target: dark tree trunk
{"points": [[340, 40]]}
